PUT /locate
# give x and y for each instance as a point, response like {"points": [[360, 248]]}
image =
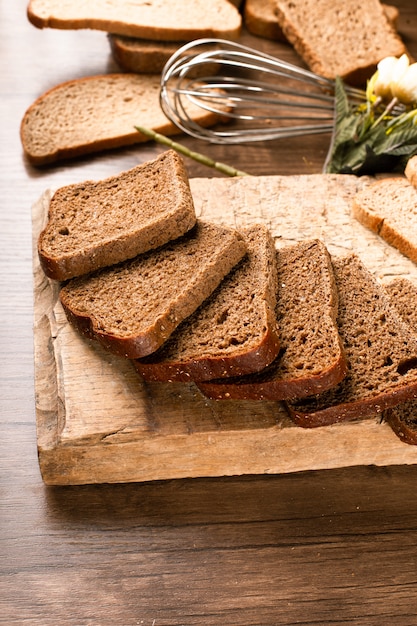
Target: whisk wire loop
{"points": [[239, 85]]}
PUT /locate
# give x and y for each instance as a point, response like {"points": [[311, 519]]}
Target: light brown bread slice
{"points": [[260, 19], [381, 352], [141, 55], [132, 308], [345, 38], [96, 113], [234, 331], [411, 171], [166, 20], [311, 359], [99, 223], [403, 418], [389, 208]]}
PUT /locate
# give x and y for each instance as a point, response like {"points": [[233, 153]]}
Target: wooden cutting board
{"points": [[98, 422]]}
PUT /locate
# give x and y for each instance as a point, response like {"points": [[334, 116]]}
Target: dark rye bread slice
{"points": [[403, 418], [381, 352], [235, 330], [95, 224], [133, 307], [311, 358]]}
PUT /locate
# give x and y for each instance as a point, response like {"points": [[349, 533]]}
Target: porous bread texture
{"points": [[88, 115], [403, 418], [234, 331], [345, 38], [311, 358], [155, 19], [389, 208], [133, 307], [403, 296], [140, 55], [260, 18], [411, 171], [381, 352], [95, 224]]}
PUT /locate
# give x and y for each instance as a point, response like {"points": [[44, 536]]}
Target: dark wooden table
{"points": [[327, 547]]}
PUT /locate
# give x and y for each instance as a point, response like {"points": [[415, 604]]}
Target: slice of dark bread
{"points": [[381, 352], [140, 55], [234, 331], [403, 418], [311, 357], [95, 224], [133, 307]]}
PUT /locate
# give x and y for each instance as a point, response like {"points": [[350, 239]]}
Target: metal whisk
{"points": [[260, 97]]}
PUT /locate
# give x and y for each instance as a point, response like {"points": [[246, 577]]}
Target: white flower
{"points": [[383, 77], [405, 89], [395, 78]]}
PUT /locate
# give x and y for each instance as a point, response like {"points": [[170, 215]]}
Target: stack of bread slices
{"points": [[192, 301], [87, 115]]}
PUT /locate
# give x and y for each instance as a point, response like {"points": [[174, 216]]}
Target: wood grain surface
{"points": [[310, 547]]}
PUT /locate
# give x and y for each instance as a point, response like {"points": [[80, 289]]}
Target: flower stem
{"points": [[386, 112], [196, 156]]}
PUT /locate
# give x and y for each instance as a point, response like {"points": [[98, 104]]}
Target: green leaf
{"points": [[359, 145]]}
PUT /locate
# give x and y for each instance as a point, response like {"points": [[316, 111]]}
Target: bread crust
{"points": [[403, 422], [158, 21], [206, 367]]}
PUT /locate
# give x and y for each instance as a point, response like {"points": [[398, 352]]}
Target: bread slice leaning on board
{"points": [[311, 358], [95, 224], [234, 331], [380, 348], [97, 113], [164, 20], [133, 307]]}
